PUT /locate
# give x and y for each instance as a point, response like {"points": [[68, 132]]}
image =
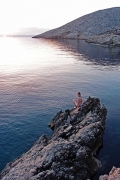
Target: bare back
{"points": [[79, 101]]}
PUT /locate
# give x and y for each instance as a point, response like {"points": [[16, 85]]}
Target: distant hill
{"points": [[87, 26], [26, 32], [30, 31]]}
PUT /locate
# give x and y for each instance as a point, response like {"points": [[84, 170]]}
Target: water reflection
{"points": [[97, 54], [19, 55], [40, 77]]}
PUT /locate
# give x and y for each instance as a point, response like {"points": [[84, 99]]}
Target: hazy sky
{"points": [[16, 14]]}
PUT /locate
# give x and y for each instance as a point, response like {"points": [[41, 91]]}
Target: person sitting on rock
{"points": [[78, 102]]}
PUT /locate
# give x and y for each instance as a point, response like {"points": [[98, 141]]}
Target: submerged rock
{"points": [[70, 152]]}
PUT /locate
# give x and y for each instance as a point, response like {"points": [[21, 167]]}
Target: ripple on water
{"points": [[40, 77]]}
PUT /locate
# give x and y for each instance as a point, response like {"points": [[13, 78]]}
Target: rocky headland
{"points": [[70, 152], [102, 27]]}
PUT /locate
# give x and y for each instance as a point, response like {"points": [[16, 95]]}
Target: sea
{"points": [[40, 77]]}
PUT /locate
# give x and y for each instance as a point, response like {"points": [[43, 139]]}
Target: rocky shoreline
{"points": [[110, 38], [100, 27], [70, 152]]}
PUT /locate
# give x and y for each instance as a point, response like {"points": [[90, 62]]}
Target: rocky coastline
{"points": [[70, 152], [110, 38], [100, 27]]}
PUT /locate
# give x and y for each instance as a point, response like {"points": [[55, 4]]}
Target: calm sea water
{"points": [[40, 77]]}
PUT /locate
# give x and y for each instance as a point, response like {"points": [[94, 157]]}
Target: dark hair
{"points": [[79, 93]]}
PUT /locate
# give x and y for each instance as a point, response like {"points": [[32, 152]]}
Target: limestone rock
{"points": [[70, 152]]}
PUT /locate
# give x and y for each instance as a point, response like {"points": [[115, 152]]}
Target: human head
{"points": [[79, 94]]}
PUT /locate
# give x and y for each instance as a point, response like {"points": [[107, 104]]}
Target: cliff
{"points": [[70, 152], [88, 26]]}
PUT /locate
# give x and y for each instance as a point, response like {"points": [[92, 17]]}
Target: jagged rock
{"points": [[70, 152], [111, 38], [113, 175], [91, 27]]}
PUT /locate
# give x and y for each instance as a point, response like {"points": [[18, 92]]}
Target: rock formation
{"points": [[113, 175], [90, 26], [70, 152], [111, 38]]}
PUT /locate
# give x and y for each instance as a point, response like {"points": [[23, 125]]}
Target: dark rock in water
{"points": [[70, 152]]}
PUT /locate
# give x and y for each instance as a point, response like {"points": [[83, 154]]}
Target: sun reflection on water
{"points": [[16, 57], [11, 55]]}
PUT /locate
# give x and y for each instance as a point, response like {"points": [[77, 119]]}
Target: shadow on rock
{"points": [[70, 152]]}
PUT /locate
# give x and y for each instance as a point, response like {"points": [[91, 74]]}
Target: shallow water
{"points": [[40, 77]]}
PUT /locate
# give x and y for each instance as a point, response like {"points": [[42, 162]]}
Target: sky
{"points": [[48, 14]]}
